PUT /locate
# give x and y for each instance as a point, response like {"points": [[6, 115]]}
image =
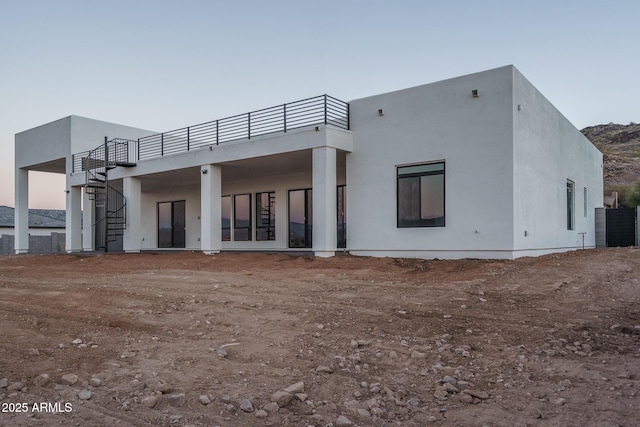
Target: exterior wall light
{"points": [[204, 171], [380, 112], [474, 93]]}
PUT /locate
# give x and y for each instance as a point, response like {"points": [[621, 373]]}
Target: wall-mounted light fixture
{"points": [[519, 107], [204, 171], [317, 128], [211, 148], [474, 93], [380, 112]]}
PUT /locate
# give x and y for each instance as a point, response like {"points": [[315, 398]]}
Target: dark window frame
{"points": [[228, 229], [571, 205], [237, 228], [421, 223], [173, 242], [308, 220], [270, 228]]}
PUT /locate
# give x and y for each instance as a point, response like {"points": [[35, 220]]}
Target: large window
{"points": [[226, 218], [421, 195], [301, 218], [570, 204], [171, 224], [266, 216], [242, 217]]}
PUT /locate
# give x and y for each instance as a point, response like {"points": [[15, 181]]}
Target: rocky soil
{"points": [[278, 340]]}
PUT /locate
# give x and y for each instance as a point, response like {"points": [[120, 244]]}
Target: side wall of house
{"points": [[548, 153], [436, 122]]}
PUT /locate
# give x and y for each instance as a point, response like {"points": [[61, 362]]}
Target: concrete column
{"points": [[132, 190], [210, 210], [88, 218], [601, 228], [73, 238], [325, 228], [21, 213]]}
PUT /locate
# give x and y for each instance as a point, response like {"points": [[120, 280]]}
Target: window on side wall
{"points": [[570, 204], [420, 195]]}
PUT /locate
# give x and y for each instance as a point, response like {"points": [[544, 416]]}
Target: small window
{"points": [[421, 195], [570, 204], [585, 201], [266, 216], [242, 217], [226, 218]]}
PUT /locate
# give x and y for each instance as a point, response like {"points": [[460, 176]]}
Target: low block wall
{"points": [[52, 244]]}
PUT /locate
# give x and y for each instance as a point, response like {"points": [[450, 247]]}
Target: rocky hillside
{"points": [[620, 145]]}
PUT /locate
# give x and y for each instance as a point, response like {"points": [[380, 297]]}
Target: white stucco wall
{"points": [[548, 151], [43, 143], [439, 121], [63, 137]]}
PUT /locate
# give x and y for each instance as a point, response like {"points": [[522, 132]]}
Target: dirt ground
{"points": [[193, 340]]}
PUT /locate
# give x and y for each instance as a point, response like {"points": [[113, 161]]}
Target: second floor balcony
{"points": [[319, 110]]}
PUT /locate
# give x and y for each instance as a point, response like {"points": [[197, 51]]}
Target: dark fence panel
{"points": [[621, 227]]}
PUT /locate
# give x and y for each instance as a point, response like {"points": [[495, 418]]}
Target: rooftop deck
{"points": [[319, 110]]}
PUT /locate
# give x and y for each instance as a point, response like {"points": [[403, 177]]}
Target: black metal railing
{"points": [[118, 152], [319, 110]]}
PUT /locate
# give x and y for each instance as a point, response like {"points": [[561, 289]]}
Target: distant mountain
{"points": [[620, 145]]}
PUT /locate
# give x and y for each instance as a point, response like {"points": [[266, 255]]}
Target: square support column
{"points": [[210, 209], [132, 190], [88, 218], [73, 220], [325, 227], [21, 214]]}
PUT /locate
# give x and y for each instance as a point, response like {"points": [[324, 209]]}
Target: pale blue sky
{"points": [[166, 64]]}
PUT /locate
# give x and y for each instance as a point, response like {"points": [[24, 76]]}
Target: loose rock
{"points": [[246, 405], [42, 380], [204, 399], [69, 379], [271, 408], [482, 395], [261, 414], [449, 379], [176, 399], [282, 398], [164, 388], [324, 369], [343, 421], [149, 401], [15, 386], [95, 382], [295, 388], [85, 394]]}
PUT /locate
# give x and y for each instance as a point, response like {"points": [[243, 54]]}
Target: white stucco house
{"points": [[480, 166]]}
